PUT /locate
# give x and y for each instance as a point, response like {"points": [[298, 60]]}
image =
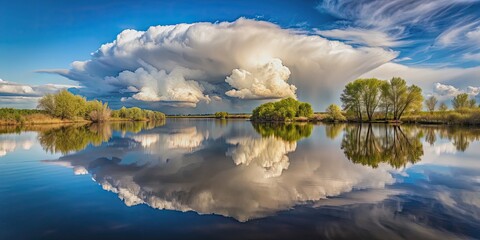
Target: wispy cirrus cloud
{"points": [[421, 25], [369, 37], [472, 56], [463, 34]]}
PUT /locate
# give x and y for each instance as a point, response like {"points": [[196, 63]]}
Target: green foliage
{"points": [[403, 98], [351, 99], [461, 101], [137, 114], [17, 115], [284, 110], [47, 103], [462, 116], [362, 97], [290, 132], [335, 113], [221, 115], [66, 105], [304, 110]]}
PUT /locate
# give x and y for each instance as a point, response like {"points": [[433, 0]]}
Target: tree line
{"points": [[65, 105], [373, 99], [362, 98]]}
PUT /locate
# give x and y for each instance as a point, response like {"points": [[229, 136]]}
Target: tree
{"points": [[351, 99], [100, 112], [135, 114], [385, 104], [370, 95], [304, 110], [68, 105], [47, 103], [472, 103], [221, 115], [431, 102], [443, 107], [403, 98], [283, 110], [123, 112], [462, 101], [362, 95], [335, 113]]}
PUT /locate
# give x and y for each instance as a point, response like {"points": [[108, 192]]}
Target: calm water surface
{"points": [[233, 180]]}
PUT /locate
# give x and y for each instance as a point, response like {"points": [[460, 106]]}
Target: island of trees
{"points": [[65, 107], [287, 109]]}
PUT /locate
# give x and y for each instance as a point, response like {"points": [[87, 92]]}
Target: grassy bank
{"points": [[466, 116], [15, 117]]}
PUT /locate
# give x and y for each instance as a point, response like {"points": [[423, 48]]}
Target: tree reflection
{"points": [[460, 137], [430, 136], [71, 138], [371, 145], [333, 130], [290, 132]]}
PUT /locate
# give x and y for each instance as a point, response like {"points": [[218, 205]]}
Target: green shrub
{"points": [[284, 110], [221, 115]]}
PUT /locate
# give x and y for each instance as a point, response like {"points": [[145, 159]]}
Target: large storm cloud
{"points": [[215, 65]]}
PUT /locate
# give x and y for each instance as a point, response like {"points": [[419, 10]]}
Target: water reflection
{"points": [[339, 181], [270, 151], [71, 138], [460, 137], [373, 144], [11, 142], [290, 132], [332, 131], [234, 172]]}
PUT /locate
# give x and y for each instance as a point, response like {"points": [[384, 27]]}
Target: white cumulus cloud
{"points": [[152, 85], [264, 82], [249, 59]]}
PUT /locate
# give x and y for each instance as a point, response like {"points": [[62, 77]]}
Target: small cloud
{"points": [[446, 90], [472, 56], [402, 59]]}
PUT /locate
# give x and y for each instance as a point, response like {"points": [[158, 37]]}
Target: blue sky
{"points": [[434, 44]]}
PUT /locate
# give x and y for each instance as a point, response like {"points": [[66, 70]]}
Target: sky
{"points": [[208, 56]]}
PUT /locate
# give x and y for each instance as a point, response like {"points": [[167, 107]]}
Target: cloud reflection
{"points": [[237, 174]]}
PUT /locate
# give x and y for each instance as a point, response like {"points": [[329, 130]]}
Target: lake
{"points": [[219, 179]]}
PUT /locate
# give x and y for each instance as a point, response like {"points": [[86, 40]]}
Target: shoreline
{"points": [[59, 121]]}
